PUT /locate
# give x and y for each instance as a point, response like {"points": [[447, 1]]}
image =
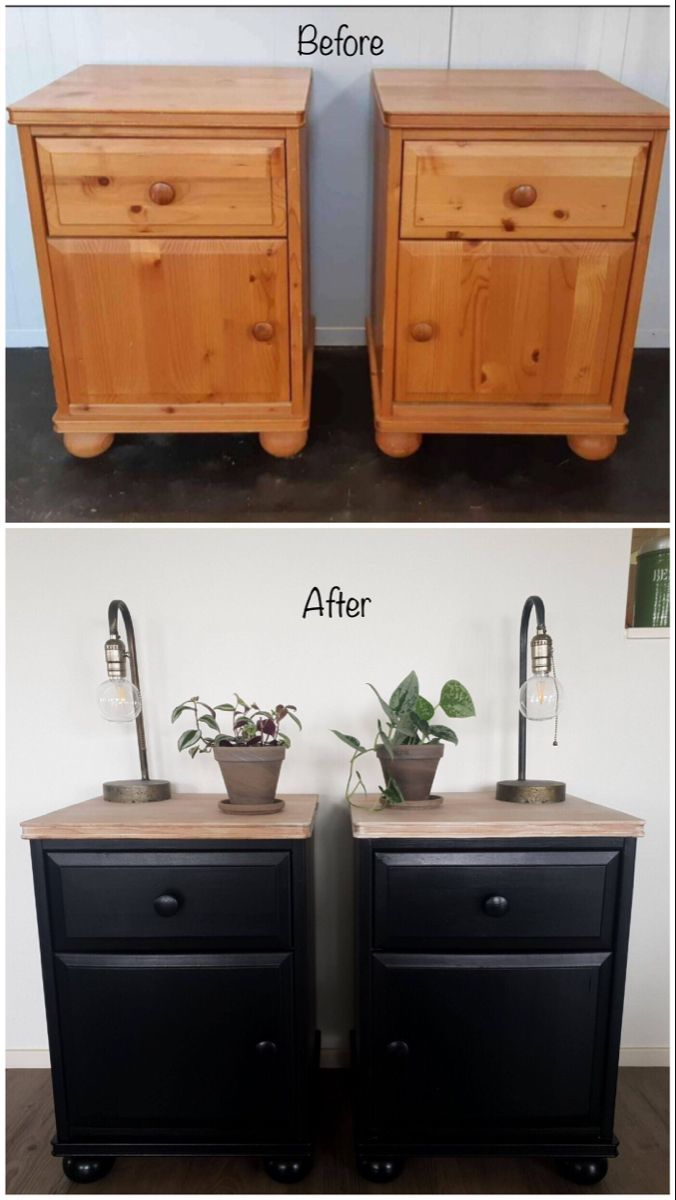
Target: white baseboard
{"points": [[335, 1054], [325, 335]]}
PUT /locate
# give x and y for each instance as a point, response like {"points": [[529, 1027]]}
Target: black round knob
{"points": [[167, 905], [496, 906], [266, 1049], [397, 1049]]}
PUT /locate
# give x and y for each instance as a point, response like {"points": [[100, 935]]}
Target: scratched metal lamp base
{"points": [[531, 791], [136, 791]]}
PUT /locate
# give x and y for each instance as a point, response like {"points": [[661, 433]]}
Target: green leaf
{"points": [[208, 708], [193, 751], [424, 709], [443, 734], [188, 738], [348, 739], [384, 739], [392, 794], [209, 721], [180, 708], [294, 718], [405, 696], [455, 700], [286, 741], [389, 713], [225, 707], [422, 727], [243, 704]]}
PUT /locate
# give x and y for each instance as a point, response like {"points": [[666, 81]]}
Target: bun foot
{"points": [[380, 1170], [585, 1171], [287, 1170], [283, 445], [593, 448], [398, 445], [87, 1170], [87, 445]]}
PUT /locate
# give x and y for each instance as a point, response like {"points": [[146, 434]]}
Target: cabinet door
{"points": [[169, 1046], [526, 323], [159, 325], [507, 1042]]}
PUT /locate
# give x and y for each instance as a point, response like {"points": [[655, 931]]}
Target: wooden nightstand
{"points": [[177, 951], [169, 212], [512, 219], [491, 957]]}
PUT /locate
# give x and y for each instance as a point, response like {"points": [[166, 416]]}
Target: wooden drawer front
{"points": [[554, 899], [567, 189], [527, 322], [176, 1046], [488, 1044], [172, 323], [238, 899], [105, 186]]}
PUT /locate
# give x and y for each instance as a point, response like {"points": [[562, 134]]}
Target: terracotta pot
{"points": [[250, 773], [413, 768]]}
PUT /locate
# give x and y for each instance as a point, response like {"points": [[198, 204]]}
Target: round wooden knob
{"points": [[166, 906], [495, 906], [524, 195], [263, 331], [397, 1049], [161, 193], [421, 332]]}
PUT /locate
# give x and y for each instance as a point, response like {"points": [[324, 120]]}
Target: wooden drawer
{"points": [[149, 186], [521, 189], [521, 323], [181, 900], [540, 899]]}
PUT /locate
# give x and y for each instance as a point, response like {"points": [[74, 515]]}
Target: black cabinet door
{"points": [[466, 1043], [167, 1046]]}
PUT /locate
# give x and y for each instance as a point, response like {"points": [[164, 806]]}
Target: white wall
{"points": [[218, 610], [630, 44]]}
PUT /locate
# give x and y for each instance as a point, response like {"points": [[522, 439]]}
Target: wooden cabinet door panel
{"points": [[175, 322], [511, 1042], [528, 322], [470, 189], [162, 1046]]}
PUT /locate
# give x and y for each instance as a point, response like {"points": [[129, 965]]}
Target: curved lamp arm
{"points": [[533, 602], [118, 608]]}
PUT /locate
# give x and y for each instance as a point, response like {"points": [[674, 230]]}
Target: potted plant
{"points": [[409, 744], [250, 757]]}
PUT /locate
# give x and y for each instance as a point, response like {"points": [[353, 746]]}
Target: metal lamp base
{"points": [[136, 791], [531, 791]]}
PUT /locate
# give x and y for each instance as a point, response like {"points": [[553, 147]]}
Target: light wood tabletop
{"points": [[513, 98], [188, 816], [480, 815], [158, 95]]}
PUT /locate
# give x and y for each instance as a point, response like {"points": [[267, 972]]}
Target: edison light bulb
{"points": [[119, 700], [540, 698]]}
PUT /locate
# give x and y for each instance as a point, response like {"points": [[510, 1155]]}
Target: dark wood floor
{"points": [[642, 1125], [340, 476]]}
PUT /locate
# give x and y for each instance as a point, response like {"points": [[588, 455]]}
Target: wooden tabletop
{"points": [[187, 816], [479, 814], [513, 99], [121, 95]]}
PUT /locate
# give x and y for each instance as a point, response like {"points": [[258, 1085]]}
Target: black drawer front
{"points": [[541, 899], [182, 900]]}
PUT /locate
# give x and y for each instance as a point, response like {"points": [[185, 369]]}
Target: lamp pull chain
{"points": [[556, 714]]}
